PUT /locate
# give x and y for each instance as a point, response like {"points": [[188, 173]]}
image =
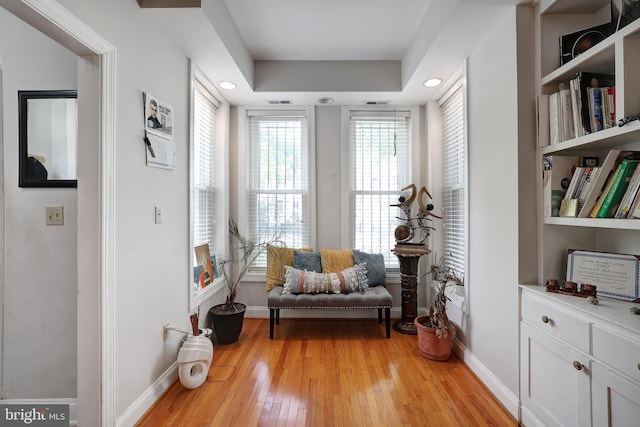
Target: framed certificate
{"points": [[615, 275]]}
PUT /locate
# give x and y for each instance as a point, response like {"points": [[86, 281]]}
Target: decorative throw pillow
{"points": [[277, 258], [309, 282], [352, 278], [376, 271], [309, 261], [334, 261], [305, 282]]}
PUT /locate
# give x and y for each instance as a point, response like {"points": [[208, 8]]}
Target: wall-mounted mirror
{"points": [[48, 138]]}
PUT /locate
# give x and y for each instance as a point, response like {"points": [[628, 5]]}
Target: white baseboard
{"points": [[507, 398], [73, 405], [261, 312], [149, 397]]}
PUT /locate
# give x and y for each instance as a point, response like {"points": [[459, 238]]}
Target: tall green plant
{"points": [[244, 252]]}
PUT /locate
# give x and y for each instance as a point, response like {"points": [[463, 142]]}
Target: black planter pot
{"points": [[227, 323]]}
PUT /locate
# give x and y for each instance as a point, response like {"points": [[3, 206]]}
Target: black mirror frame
{"points": [[23, 98]]}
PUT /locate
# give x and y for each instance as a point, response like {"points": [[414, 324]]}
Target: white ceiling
{"points": [[426, 38], [327, 29]]}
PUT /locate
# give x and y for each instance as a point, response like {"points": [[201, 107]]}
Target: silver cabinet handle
{"points": [[577, 365], [545, 319]]}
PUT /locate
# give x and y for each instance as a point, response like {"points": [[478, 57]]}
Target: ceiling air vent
{"points": [[376, 102], [279, 102]]}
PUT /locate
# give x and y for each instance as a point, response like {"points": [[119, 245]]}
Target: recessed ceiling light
{"points": [[325, 100], [227, 85], [432, 82]]}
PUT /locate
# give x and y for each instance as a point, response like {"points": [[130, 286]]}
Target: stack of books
{"points": [[584, 106], [610, 190]]}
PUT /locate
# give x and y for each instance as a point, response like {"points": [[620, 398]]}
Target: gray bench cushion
{"points": [[376, 297]]}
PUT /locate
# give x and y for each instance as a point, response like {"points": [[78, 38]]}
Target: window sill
{"points": [[201, 295], [455, 294]]}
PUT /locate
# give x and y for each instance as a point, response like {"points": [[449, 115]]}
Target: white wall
{"points": [[152, 261], [495, 102], [39, 278]]}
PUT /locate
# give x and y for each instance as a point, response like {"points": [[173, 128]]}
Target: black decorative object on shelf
{"points": [[576, 43]]}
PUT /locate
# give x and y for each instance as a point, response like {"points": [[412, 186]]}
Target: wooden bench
{"points": [[377, 297]]}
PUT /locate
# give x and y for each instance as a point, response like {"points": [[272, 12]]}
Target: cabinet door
{"points": [[616, 400], [554, 380]]}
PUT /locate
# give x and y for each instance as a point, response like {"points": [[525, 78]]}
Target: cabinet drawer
{"points": [[621, 353], [564, 326]]}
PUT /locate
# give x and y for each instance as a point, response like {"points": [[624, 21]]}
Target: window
{"points": [[208, 179], [454, 181], [278, 147], [379, 153], [204, 160]]}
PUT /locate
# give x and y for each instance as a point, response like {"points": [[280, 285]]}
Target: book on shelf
{"points": [[588, 185], [610, 178], [629, 195], [598, 183], [575, 110], [618, 187], [566, 115], [542, 120], [554, 124], [609, 106], [595, 109], [578, 173], [587, 80], [556, 177], [634, 212]]}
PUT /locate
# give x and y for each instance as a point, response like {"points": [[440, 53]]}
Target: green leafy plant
{"points": [[244, 252]]}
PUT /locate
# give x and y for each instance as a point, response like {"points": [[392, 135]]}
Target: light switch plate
{"points": [[158, 215], [54, 215]]}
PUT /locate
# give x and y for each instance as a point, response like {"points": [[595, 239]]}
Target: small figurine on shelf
{"points": [[585, 290]]}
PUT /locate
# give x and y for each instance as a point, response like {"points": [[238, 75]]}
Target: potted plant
{"points": [[435, 330], [228, 317]]}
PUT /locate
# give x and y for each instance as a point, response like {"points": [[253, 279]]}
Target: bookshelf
{"points": [[618, 54], [572, 319]]}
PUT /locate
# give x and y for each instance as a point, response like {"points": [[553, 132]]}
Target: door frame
{"points": [[96, 398]]}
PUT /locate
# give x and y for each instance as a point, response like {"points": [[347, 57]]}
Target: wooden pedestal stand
{"points": [[409, 283]]}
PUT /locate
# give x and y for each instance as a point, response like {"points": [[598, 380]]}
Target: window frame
{"points": [[415, 136], [199, 296], [257, 274], [435, 138]]}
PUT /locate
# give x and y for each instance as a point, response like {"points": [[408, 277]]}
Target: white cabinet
{"points": [[580, 363], [554, 380], [555, 366], [616, 400]]}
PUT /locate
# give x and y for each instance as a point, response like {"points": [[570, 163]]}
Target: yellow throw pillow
{"points": [[334, 261], [277, 258]]}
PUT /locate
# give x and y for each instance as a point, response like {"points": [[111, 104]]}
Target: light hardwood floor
{"points": [[328, 373]]}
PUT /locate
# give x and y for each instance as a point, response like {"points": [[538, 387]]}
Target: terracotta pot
{"points": [[227, 324], [429, 345]]}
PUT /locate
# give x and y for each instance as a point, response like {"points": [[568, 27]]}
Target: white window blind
{"points": [[278, 177], [454, 178], [204, 185], [379, 165]]}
